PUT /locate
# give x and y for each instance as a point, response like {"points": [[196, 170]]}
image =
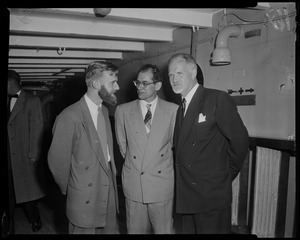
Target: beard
{"points": [[110, 98]]}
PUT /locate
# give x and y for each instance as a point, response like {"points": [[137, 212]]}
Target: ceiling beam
{"points": [[27, 22], [26, 61], [45, 66], [54, 42], [46, 74], [158, 16], [57, 70], [64, 54]]}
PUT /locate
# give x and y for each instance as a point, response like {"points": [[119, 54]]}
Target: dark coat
{"points": [[209, 151], [25, 128], [77, 163]]}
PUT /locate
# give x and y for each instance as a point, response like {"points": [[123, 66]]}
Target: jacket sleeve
{"points": [[35, 127], [232, 127], [60, 151], [120, 131]]}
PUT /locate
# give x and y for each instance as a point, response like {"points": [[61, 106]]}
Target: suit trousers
{"points": [[30, 207], [215, 222], [111, 214], [141, 216]]}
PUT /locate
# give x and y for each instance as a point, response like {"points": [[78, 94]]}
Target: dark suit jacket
{"points": [[209, 152], [77, 163]]}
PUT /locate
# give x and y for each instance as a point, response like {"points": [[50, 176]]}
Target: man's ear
{"points": [[158, 86], [194, 72], [96, 85]]}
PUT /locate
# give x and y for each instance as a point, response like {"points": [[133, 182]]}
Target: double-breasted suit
{"points": [[210, 148], [78, 165], [148, 172]]}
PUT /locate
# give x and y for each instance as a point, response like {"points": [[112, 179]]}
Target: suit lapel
{"points": [[18, 105], [137, 126], [91, 132], [190, 116], [160, 124]]}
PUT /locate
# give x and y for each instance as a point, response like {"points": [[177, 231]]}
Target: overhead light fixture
{"points": [[101, 12], [221, 54]]}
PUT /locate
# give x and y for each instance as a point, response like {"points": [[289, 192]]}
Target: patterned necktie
{"points": [[101, 129], [148, 117]]}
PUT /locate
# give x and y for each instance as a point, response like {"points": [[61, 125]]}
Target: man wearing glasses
{"points": [[144, 131]]}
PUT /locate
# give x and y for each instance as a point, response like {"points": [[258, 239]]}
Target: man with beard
{"points": [[81, 155], [144, 131]]}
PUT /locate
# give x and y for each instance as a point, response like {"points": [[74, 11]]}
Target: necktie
{"points": [[148, 117], [101, 129], [183, 109]]}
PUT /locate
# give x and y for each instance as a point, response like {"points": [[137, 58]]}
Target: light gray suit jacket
{"points": [[148, 173], [77, 163]]}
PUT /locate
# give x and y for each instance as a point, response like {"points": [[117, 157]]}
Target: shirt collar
{"points": [[191, 93], [92, 106], [153, 103]]}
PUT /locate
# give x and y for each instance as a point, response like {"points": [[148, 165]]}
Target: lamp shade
{"points": [[221, 56]]}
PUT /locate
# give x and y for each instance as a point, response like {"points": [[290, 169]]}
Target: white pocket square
{"points": [[201, 118]]}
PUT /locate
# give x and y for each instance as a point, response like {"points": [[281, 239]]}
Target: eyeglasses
{"points": [[144, 84]]}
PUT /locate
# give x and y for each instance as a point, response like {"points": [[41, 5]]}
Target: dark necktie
{"points": [[101, 129], [183, 102], [148, 117]]}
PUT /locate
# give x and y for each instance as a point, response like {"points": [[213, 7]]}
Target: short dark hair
{"points": [[13, 75], [154, 69]]}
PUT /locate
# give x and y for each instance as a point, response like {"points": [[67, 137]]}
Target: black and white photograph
{"points": [[151, 121]]}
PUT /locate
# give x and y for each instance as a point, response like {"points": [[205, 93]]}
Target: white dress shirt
{"points": [[144, 108], [13, 101], [93, 108], [189, 96]]}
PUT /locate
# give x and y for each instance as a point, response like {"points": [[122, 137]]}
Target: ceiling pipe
{"points": [[221, 54]]}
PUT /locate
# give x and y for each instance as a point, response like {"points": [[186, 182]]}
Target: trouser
{"points": [[30, 207], [214, 222], [140, 217]]}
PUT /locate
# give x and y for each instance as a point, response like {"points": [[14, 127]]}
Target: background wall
{"points": [[265, 63]]}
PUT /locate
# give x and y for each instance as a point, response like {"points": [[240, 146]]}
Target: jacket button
{"points": [[194, 183], [159, 171], [194, 143], [90, 184], [134, 157], [87, 167], [189, 165], [162, 155], [87, 202], [142, 173]]}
